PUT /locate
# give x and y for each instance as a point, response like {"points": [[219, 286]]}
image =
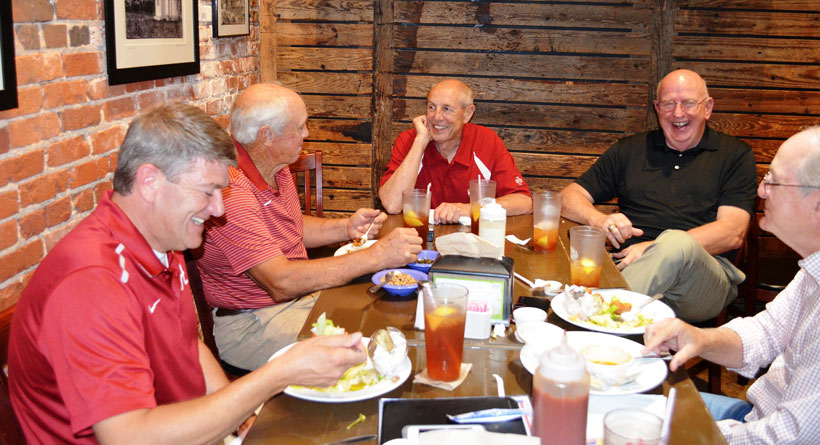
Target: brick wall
{"points": [[58, 149]]}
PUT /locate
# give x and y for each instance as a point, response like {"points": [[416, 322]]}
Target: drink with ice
{"points": [[586, 255], [445, 313], [546, 216], [416, 210]]}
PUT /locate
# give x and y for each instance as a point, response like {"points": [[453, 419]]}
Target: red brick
{"points": [[85, 173], [10, 295], [77, 9], [79, 36], [214, 107], [184, 93], [32, 11], [29, 69], [150, 100], [119, 108], [4, 140], [21, 167], [28, 36], [223, 121], [80, 117], [55, 36], [8, 204], [64, 93], [67, 151], [20, 259], [8, 234], [52, 66], [82, 64], [107, 140], [32, 223], [29, 101], [42, 188], [100, 189], [139, 86], [29, 131], [83, 201], [99, 89], [112, 163], [58, 211], [54, 236]]}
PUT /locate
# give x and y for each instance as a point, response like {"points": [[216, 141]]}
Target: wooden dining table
{"points": [[286, 419]]}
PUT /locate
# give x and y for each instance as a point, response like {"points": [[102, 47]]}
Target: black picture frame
{"points": [[8, 72], [231, 18], [147, 58]]}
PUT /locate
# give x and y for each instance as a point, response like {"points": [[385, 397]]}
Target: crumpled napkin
{"points": [[516, 240], [466, 244], [422, 377]]}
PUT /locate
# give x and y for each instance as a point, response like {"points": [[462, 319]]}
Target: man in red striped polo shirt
{"points": [[253, 262]]}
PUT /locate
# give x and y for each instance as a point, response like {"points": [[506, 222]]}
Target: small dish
{"points": [[431, 255], [401, 291], [541, 334], [525, 314], [349, 247], [552, 287]]}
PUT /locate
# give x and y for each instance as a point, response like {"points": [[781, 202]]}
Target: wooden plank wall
{"points": [[559, 81]]}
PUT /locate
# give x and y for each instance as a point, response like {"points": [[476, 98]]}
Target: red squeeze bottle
{"points": [[560, 396]]}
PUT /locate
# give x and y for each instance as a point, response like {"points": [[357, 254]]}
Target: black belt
{"points": [[224, 312]]}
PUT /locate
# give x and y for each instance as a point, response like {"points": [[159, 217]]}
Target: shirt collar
{"points": [[707, 142], [245, 164], [129, 237], [811, 264]]}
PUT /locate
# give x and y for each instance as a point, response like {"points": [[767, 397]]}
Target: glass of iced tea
{"points": [[546, 215], [445, 312], [479, 189], [415, 209], [586, 255]]}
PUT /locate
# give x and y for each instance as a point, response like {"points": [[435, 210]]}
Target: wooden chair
{"points": [[10, 431], [306, 163]]}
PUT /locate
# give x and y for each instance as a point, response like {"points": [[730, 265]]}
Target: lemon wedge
{"points": [[411, 219]]}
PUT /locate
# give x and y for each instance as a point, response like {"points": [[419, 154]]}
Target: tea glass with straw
{"points": [[480, 189]]}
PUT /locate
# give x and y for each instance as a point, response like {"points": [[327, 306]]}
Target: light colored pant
{"points": [[247, 340], [696, 285]]}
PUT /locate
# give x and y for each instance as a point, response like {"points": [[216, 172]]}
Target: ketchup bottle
{"points": [[561, 396]]}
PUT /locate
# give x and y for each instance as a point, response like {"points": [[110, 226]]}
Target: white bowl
{"points": [[541, 335], [607, 362], [525, 315]]}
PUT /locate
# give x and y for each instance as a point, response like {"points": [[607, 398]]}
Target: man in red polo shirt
{"points": [[253, 262], [104, 343], [444, 151]]}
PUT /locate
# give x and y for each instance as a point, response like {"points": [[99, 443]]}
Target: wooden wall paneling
{"points": [[326, 34], [325, 10], [318, 82], [327, 106], [754, 75], [730, 5], [769, 23], [329, 59], [382, 103], [267, 40], [338, 130], [342, 153]]}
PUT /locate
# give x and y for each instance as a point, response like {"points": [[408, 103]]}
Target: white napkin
{"points": [[466, 244], [475, 437], [516, 240]]}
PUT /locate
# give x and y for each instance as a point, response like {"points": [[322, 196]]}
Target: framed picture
{"points": [[8, 75], [231, 18], [151, 39]]}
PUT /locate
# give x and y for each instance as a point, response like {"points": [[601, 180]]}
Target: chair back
{"points": [[203, 311], [10, 431], [306, 163]]}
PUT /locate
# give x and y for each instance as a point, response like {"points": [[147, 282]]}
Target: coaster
{"points": [[422, 377]]}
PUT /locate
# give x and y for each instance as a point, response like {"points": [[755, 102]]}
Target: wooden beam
{"points": [[382, 92], [267, 40]]}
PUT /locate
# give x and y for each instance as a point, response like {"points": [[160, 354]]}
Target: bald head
{"points": [[683, 77], [456, 88], [801, 154], [262, 104]]}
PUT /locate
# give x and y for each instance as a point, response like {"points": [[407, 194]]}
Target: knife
{"points": [[353, 439]]}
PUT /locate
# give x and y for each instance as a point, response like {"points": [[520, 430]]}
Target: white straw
{"points": [[670, 408]]}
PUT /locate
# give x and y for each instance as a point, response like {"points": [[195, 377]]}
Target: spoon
{"points": [[363, 238], [661, 356], [385, 279], [632, 313]]}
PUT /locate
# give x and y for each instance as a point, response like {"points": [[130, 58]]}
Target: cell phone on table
{"points": [[412, 431], [527, 301]]}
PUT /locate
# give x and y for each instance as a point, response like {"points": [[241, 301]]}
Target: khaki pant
{"points": [[696, 285], [247, 340]]}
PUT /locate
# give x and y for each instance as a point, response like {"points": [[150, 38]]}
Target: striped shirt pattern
{"points": [[786, 399]]}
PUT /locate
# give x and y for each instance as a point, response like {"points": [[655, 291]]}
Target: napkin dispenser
{"points": [[489, 280]]}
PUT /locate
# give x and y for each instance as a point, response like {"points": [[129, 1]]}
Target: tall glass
{"points": [[586, 255], [445, 313], [624, 426], [479, 189], [415, 209], [546, 215]]}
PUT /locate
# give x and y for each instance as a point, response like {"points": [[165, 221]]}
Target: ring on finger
{"points": [[612, 227]]}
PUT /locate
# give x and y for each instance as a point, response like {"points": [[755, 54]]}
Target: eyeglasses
{"points": [[768, 184], [687, 105]]}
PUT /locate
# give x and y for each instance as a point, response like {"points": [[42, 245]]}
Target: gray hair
{"points": [[171, 137], [809, 171], [261, 104]]}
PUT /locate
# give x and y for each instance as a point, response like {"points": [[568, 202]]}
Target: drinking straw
{"points": [[670, 408]]}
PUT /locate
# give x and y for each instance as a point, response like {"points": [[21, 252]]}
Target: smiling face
{"points": [[447, 112], [682, 128], [182, 207]]}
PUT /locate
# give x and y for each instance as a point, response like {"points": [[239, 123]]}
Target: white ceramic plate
{"points": [[389, 383], [656, 310], [349, 247], [652, 372], [540, 334]]}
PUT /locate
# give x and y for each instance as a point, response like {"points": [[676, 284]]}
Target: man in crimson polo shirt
{"points": [[104, 344], [253, 263], [685, 196], [444, 151]]}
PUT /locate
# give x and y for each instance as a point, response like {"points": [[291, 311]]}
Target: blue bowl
{"points": [[401, 291], [424, 255]]}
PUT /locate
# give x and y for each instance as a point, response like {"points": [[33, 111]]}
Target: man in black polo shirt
{"points": [[685, 195]]}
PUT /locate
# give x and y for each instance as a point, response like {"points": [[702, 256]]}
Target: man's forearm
{"points": [[317, 232], [724, 234], [404, 178], [724, 348], [577, 206], [516, 204]]}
